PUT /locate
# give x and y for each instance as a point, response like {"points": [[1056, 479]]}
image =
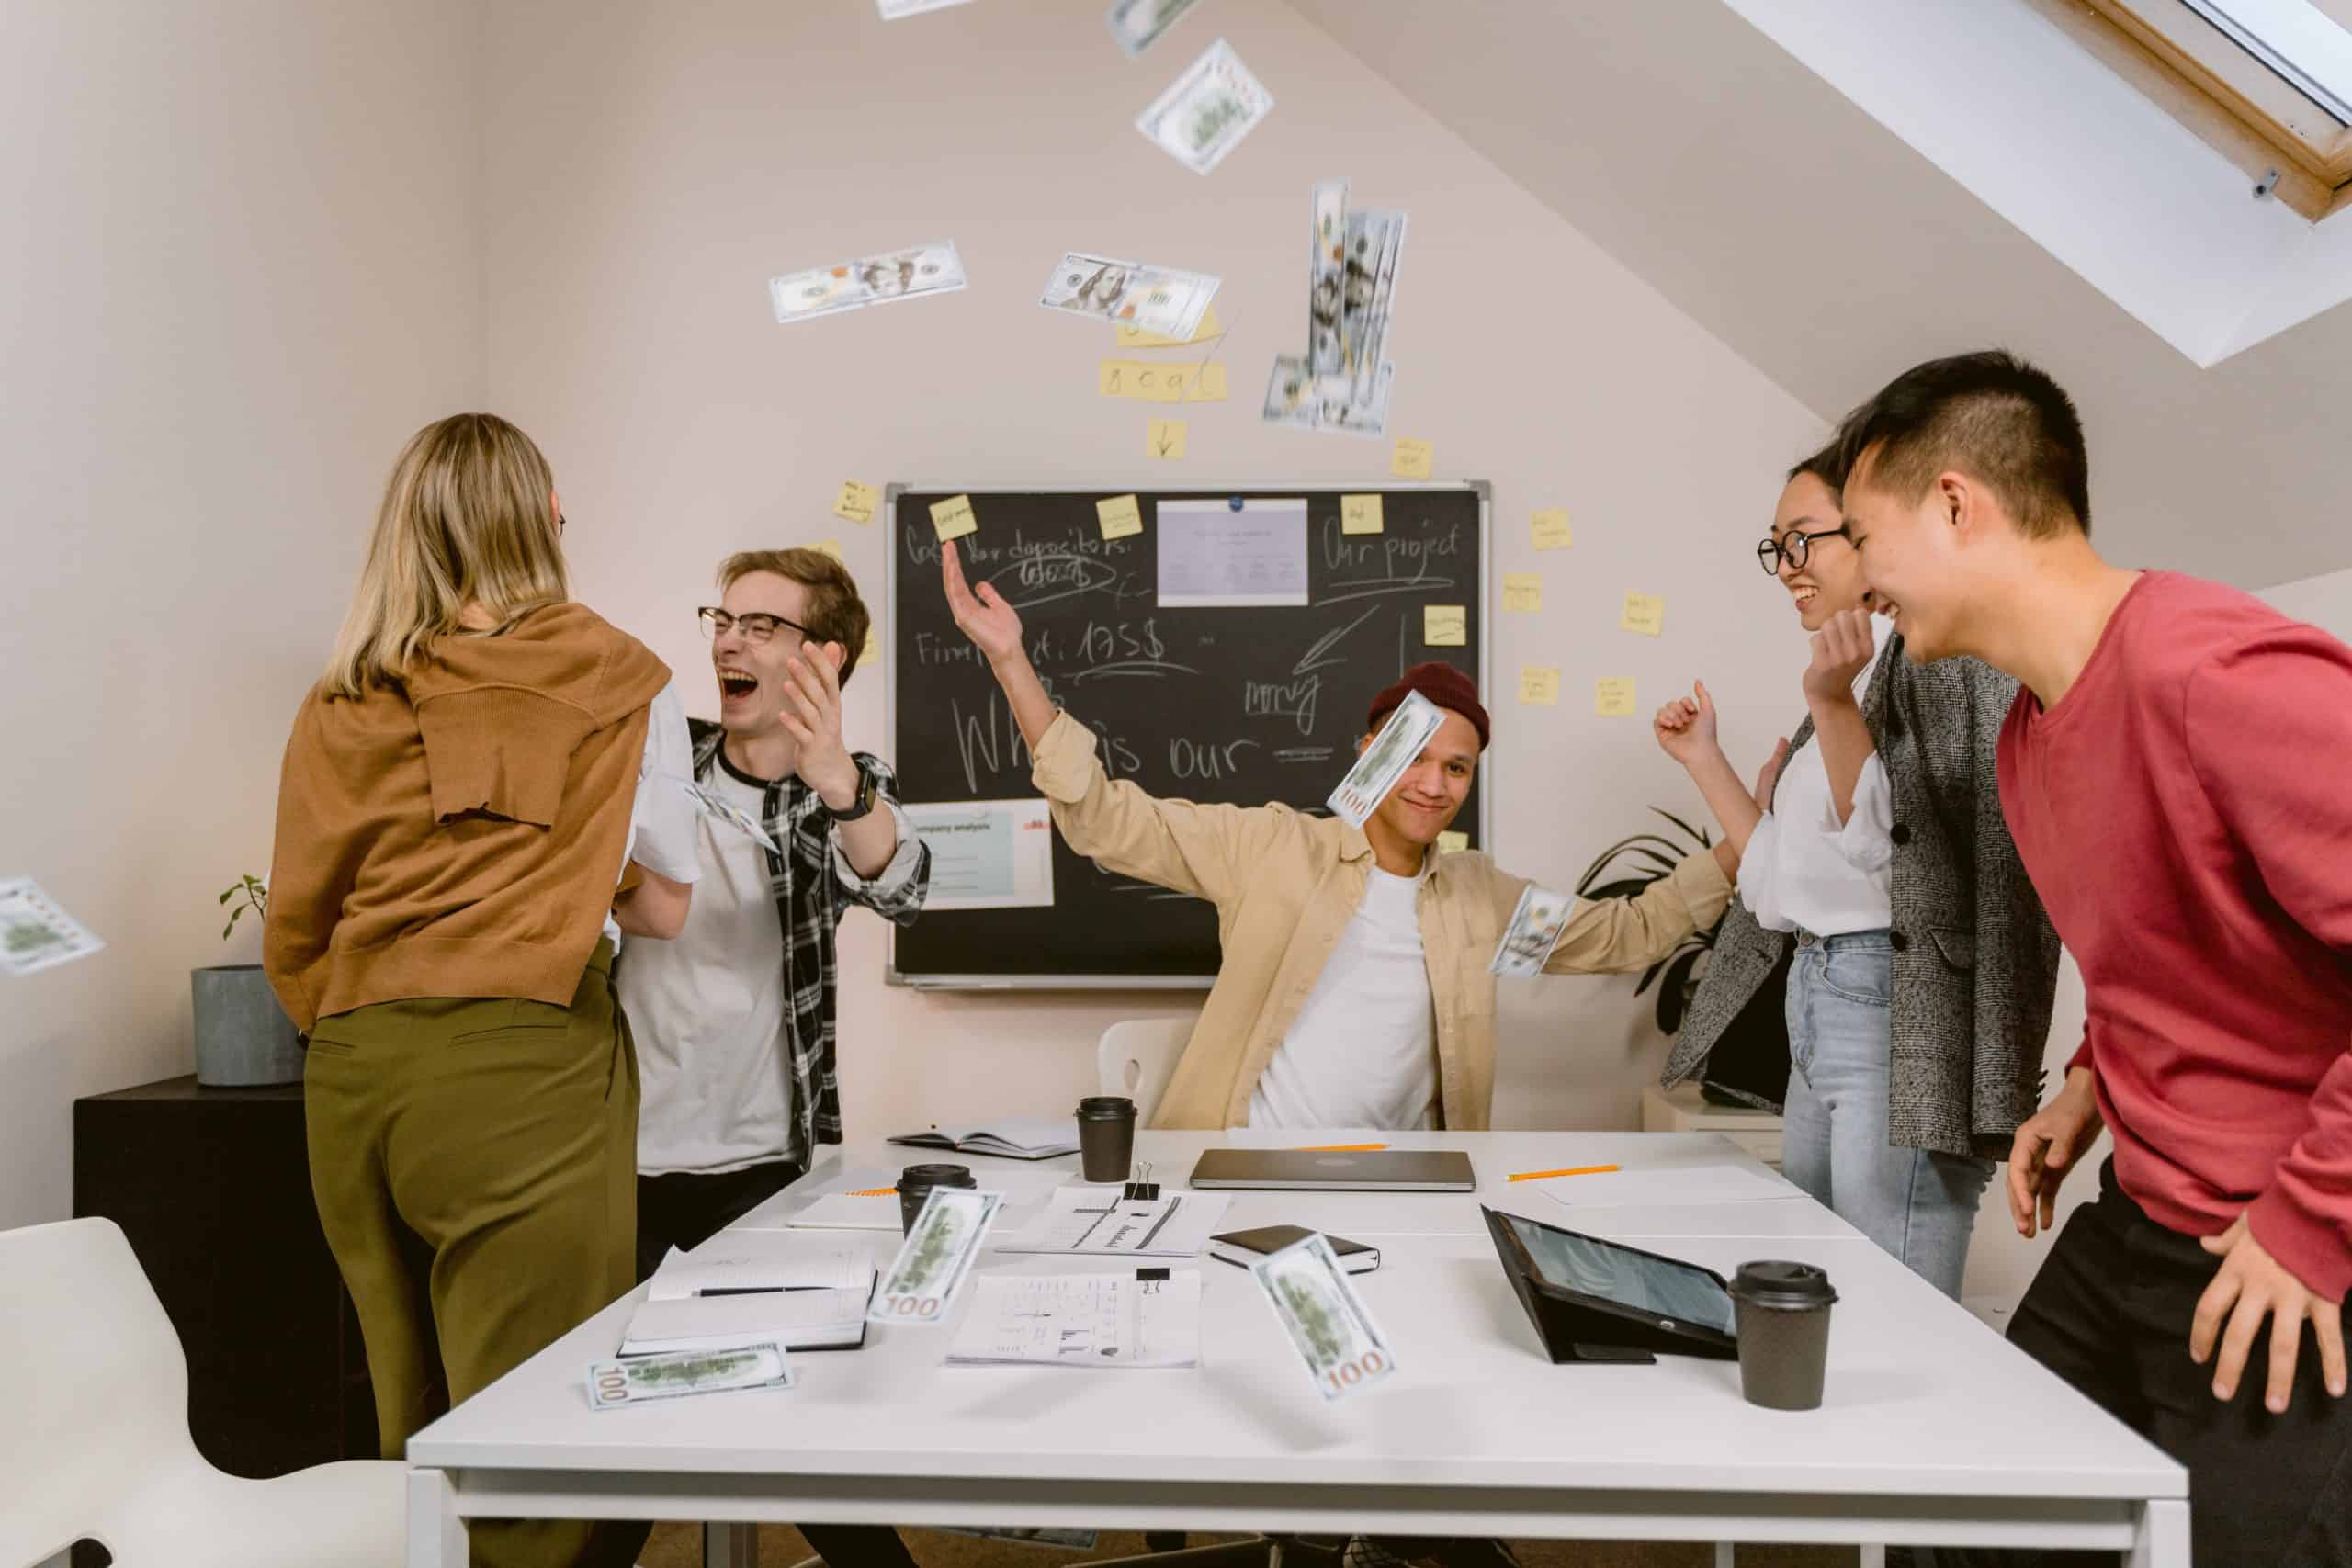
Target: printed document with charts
{"points": [[1100, 1221], [1148, 1318]]}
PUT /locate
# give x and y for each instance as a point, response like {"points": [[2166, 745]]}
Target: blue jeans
{"points": [[1918, 1205]]}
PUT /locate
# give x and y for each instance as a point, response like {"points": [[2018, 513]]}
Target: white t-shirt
{"points": [[1806, 871], [708, 1014], [1363, 1051], [661, 821]]}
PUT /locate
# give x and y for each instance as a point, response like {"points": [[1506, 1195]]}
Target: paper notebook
{"points": [[1011, 1138]]}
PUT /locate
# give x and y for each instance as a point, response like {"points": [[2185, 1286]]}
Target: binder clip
{"points": [[1143, 1188]]}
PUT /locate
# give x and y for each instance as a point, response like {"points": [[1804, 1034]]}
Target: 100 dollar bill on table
{"points": [[1384, 762], [1536, 922], [1343, 1349], [921, 1281], [869, 280], [637, 1378]]}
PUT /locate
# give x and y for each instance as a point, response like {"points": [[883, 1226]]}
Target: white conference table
{"points": [[1932, 1430]]}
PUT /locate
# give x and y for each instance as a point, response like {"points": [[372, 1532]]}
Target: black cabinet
{"points": [[212, 1186]]}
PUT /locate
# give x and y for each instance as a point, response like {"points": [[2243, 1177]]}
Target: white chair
{"points": [[1138, 1056], [94, 1438]]}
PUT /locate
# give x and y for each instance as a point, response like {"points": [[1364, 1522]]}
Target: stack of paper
{"points": [[1013, 1137], [1098, 1221], [862, 1200], [1148, 1318]]}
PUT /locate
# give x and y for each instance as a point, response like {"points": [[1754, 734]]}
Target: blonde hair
{"points": [[467, 518], [835, 613]]}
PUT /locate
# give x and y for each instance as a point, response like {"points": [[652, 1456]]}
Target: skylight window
{"points": [[2266, 82], [2303, 46]]}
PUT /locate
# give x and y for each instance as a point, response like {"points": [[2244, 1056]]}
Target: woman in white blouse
{"points": [[1906, 1073]]}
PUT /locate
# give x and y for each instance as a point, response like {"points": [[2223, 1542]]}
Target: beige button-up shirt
{"points": [[1286, 884]]}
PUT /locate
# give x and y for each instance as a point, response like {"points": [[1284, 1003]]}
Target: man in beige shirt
{"points": [[1353, 990]]}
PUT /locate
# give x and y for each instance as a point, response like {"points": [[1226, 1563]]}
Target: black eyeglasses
{"points": [[756, 627], [1797, 546]]}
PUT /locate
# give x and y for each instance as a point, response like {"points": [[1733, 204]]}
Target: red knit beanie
{"points": [[1441, 684]]}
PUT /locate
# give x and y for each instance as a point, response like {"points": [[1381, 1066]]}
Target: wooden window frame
{"points": [[2233, 102]]}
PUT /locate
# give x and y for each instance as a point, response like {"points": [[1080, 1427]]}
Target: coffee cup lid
{"points": [[1106, 1105], [937, 1176], [1775, 1282]]}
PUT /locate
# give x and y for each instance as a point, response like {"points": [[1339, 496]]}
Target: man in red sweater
{"points": [[2177, 774]]}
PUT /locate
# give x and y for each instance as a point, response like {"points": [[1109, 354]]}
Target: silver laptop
{"points": [[1389, 1170]]}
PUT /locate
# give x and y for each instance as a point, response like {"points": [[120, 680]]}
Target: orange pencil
{"points": [[1576, 1170], [871, 1193], [1337, 1148]]}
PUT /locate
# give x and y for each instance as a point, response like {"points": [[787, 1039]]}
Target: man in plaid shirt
{"points": [[734, 1020]]}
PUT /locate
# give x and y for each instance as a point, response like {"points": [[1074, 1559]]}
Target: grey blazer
{"points": [[1975, 957]]}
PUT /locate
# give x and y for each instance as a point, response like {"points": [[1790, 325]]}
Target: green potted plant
{"points": [[244, 1039], [1653, 855]]}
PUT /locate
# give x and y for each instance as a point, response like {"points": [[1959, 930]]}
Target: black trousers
{"points": [[685, 1210], [2110, 1313]]}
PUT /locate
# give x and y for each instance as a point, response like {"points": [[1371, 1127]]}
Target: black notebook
{"points": [[1242, 1248]]}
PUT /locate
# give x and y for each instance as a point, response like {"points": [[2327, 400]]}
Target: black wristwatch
{"points": [[866, 791]]}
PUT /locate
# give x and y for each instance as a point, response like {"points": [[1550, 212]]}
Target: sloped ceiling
{"points": [[1831, 255]]}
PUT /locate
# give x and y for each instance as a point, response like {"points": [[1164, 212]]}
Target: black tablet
{"points": [[1662, 1303]]}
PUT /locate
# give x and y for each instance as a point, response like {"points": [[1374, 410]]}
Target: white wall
{"points": [[649, 171], [242, 264], [2325, 601]]}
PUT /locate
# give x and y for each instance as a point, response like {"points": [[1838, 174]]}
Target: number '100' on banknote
{"points": [[921, 1281], [1384, 760], [1343, 1349]]}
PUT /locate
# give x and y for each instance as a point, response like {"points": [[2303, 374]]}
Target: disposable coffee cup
{"points": [[1106, 1137], [1781, 1313], [915, 1184]]}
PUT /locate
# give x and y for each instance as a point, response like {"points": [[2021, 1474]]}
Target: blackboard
{"points": [[1243, 704]]}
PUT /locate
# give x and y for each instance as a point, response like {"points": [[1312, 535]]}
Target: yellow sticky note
{"points": [[1135, 337], [831, 547], [1164, 438], [1121, 515], [857, 503], [1445, 625], [1153, 383], [1645, 613], [1360, 515], [872, 651], [1452, 843], [1523, 591], [1551, 529], [952, 517], [1613, 696], [1413, 458], [1539, 685]]}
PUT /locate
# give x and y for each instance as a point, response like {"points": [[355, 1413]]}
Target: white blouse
{"points": [[1804, 869]]}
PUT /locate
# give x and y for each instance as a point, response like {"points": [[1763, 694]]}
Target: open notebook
{"points": [[1013, 1137]]}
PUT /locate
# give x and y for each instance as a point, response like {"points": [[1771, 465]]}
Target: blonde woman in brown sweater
{"points": [[455, 814]]}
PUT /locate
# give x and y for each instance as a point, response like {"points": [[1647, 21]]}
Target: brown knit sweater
{"points": [[459, 834]]}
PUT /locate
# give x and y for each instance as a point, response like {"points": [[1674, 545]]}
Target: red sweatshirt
{"points": [[2186, 814]]}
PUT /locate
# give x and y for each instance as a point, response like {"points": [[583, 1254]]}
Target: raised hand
{"points": [[1685, 727], [813, 718], [993, 626], [1841, 650]]}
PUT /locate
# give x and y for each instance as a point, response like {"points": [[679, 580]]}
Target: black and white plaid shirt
{"points": [[813, 884]]}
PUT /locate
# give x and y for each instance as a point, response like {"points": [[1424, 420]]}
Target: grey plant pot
{"points": [[244, 1039]]}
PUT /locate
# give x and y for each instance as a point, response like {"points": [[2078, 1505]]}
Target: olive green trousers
{"points": [[474, 1161]]}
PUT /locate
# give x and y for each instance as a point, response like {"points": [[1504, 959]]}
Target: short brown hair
{"points": [[835, 613], [1990, 416]]}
